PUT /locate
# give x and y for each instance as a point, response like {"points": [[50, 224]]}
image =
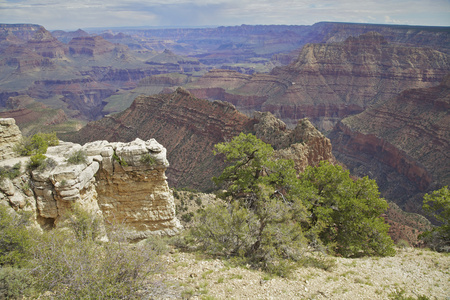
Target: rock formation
{"points": [[122, 182], [403, 143], [90, 46], [329, 81], [190, 127], [10, 135]]}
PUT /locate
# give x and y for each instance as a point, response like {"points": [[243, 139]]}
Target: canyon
{"points": [[329, 81], [77, 71], [342, 77]]}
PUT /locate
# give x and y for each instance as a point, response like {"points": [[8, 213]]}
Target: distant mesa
{"points": [[90, 45]]}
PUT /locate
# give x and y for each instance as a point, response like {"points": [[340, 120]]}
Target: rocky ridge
{"points": [[10, 135], [189, 128], [115, 182]]}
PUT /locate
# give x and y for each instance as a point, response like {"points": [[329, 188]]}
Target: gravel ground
{"points": [[413, 272]]}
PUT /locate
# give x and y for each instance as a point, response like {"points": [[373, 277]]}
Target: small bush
{"points": [[37, 161], [50, 138], [15, 241], [187, 217], [237, 232], [72, 265], [10, 172], [78, 157], [148, 159], [15, 283], [85, 225], [122, 162], [37, 144], [158, 244]]}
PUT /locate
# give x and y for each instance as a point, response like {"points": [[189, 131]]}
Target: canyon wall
{"points": [[403, 143]]}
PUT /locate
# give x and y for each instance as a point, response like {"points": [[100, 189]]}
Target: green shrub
{"points": [[187, 217], [345, 214], [71, 264], [148, 159], [50, 138], [15, 241], [78, 157], [16, 283], [84, 269], [85, 225], [10, 172], [437, 205], [37, 144], [121, 161], [37, 161], [158, 244]]}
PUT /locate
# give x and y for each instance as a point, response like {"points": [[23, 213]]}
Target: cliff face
{"points": [[402, 142], [90, 46], [82, 95], [116, 183], [330, 81], [9, 136], [190, 127]]}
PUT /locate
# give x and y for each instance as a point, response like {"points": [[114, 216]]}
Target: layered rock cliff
{"points": [[330, 81], [403, 142], [189, 127], [90, 46], [121, 182]]}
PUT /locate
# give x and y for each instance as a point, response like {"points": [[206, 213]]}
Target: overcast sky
{"points": [[74, 14]]}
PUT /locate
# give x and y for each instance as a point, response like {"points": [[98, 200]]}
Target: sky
{"points": [[74, 14]]}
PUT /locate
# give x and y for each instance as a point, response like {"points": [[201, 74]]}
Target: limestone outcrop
{"points": [[10, 135], [121, 182]]}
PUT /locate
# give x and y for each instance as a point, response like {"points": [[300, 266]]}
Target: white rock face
{"points": [[122, 182], [9, 136]]}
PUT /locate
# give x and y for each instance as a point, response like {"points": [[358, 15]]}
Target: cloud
{"points": [[72, 14]]}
